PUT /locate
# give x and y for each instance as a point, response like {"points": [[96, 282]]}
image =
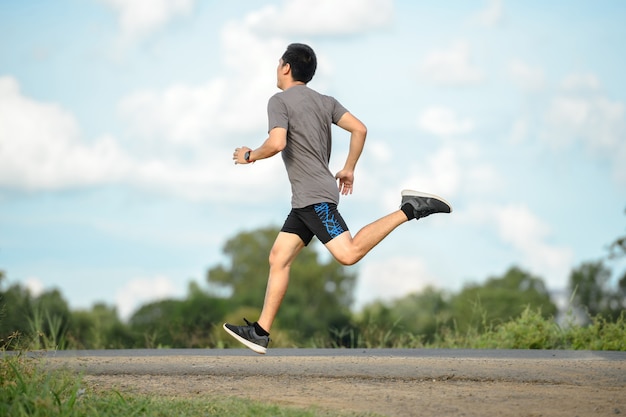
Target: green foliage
{"points": [[502, 298], [601, 334], [617, 248], [184, 323], [415, 314], [592, 292], [15, 309], [531, 330], [44, 319], [510, 311], [28, 389], [98, 328]]}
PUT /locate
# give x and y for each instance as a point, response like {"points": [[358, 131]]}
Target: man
{"points": [[300, 122]]}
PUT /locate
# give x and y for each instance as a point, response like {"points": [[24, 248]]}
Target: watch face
{"points": [[246, 156]]}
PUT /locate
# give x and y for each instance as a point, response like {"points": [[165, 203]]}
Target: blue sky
{"points": [[118, 120]]}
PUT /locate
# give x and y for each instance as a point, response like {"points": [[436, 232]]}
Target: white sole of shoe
{"points": [[249, 344], [413, 193]]}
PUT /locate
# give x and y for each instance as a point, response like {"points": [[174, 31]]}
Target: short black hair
{"points": [[302, 60]]}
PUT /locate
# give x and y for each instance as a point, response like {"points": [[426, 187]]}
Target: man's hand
{"points": [[239, 155], [346, 179]]}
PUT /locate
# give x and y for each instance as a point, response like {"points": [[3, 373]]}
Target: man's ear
{"points": [[286, 69]]}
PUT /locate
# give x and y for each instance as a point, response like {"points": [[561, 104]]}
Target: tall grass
{"points": [[46, 331], [530, 330], [27, 389]]}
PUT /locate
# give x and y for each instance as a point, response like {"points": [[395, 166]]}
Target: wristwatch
{"points": [[246, 156]]}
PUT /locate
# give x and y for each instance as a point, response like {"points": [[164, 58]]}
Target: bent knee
{"points": [[347, 259]]}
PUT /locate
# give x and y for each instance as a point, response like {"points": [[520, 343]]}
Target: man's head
{"points": [[301, 58]]}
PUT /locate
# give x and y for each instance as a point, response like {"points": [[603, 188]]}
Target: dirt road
{"points": [[384, 382]]}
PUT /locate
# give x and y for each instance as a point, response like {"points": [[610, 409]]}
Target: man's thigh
{"points": [[286, 247]]}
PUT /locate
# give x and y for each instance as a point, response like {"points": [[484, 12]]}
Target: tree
{"points": [[591, 285], [184, 323], [617, 248], [15, 309], [500, 299], [418, 314], [591, 291], [99, 328], [319, 296], [50, 319], [40, 322]]}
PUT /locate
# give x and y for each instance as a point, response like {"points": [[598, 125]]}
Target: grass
{"points": [[532, 331], [27, 389]]}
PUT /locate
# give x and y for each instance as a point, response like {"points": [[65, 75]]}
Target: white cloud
{"points": [[444, 121], [321, 17], [142, 291], [586, 114], [491, 15], [525, 76], [40, 146], [517, 226], [590, 117], [181, 114], [519, 131], [452, 66], [380, 151], [441, 175], [581, 83], [34, 286], [189, 115], [138, 18], [392, 278], [452, 170]]}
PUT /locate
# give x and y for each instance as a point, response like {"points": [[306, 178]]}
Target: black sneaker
{"points": [[248, 336], [425, 204]]}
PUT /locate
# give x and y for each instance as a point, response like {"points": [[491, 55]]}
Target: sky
{"points": [[118, 119]]}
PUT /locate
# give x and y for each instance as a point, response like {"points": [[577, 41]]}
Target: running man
{"points": [[300, 121]]}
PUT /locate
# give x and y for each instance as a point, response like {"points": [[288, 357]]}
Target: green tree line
{"points": [[316, 311]]}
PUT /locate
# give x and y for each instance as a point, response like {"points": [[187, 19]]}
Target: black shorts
{"points": [[322, 220]]}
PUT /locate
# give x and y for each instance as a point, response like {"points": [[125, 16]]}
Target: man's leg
{"points": [[349, 250], [256, 335], [285, 249]]}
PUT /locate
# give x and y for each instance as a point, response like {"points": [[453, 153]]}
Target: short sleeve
{"points": [[277, 113], [338, 110]]}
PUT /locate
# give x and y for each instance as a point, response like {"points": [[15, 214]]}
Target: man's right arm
{"points": [[358, 133]]}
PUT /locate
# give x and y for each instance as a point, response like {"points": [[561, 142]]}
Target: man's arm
{"points": [[275, 143], [358, 132]]}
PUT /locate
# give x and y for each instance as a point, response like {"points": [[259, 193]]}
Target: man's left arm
{"points": [[275, 143]]}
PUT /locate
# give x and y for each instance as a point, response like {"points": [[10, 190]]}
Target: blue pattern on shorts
{"points": [[333, 227]]}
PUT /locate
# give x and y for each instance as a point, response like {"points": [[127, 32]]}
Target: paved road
{"points": [[413, 353], [554, 366], [389, 382]]}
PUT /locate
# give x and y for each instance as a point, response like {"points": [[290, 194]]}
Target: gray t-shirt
{"points": [[308, 116]]}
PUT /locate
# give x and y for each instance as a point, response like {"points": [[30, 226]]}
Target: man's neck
{"points": [[293, 84]]}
